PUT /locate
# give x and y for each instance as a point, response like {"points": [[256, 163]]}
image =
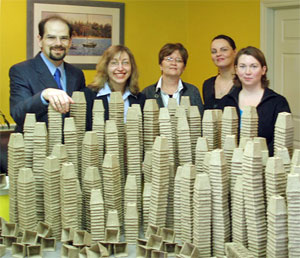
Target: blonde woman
{"points": [[116, 71]]}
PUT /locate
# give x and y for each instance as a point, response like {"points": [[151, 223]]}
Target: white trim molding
{"points": [[267, 8]]}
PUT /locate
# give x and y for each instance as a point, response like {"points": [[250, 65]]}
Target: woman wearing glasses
{"points": [[116, 71], [223, 51], [252, 90], [172, 61]]}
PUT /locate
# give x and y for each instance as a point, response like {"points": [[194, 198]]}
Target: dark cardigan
{"points": [[92, 95], [188, 90]]}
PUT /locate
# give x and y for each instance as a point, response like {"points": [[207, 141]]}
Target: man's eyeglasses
{"points": [[171, 59], [62, 39]]}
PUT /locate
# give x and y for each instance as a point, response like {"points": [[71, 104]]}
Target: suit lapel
{"points": [[44, 76], [71, 81]]}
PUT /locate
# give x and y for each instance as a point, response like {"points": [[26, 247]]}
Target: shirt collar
{"points": [[126, 94], [107, 91], [180, 85], [104, 91], [159, 84], [51, 66]]}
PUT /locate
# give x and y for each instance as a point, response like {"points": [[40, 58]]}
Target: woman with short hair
{"points": [[172, 61]]}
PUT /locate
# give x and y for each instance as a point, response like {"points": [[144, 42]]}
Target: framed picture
{"points": [[97, 25]]}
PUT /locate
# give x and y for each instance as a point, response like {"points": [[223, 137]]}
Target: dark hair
{"points": [[259, 56], [102, 77], [169, 48], [227, 38], [43, 22]]}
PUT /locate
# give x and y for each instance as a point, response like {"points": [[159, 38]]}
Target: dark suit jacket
{"points": [[92, 95], [27, 81]]}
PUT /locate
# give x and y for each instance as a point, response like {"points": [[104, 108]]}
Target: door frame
{"points": [[267, 12]]}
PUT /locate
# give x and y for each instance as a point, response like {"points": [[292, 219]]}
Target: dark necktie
{"points": [[57, 76]]}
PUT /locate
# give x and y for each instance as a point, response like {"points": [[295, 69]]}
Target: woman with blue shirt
{"points": [[116, 71]]}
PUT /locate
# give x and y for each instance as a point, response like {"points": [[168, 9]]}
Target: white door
{"points": [[287, 61]]}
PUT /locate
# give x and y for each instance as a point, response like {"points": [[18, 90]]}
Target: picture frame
{"points": [[96, 24]]}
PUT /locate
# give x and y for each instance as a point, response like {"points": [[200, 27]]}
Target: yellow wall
{"points": [[239, 19], [4, 207], [148, 25]]}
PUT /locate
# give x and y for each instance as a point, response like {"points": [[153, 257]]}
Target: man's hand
{"points": [[58, 99]]}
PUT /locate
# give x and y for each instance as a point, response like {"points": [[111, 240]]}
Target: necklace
{"points": [[222, 87]]}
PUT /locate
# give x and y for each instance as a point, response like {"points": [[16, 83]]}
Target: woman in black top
{"points": [[252, 89], [223, 51]]}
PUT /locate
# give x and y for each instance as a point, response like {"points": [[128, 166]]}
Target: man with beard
{"points": [[45, 79]]}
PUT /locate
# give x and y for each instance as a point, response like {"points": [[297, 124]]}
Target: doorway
{"points": [[280, 41]]}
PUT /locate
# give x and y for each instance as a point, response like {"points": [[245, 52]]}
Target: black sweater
{"points": [[268, 109]]}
